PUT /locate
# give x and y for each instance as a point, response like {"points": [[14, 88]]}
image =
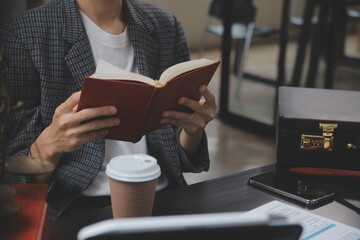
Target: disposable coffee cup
{"points": [[132, 180]]}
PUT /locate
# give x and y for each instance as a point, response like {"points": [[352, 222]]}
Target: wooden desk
{"points": [[228, 193]]}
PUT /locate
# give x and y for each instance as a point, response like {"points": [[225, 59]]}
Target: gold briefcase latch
{"points": [[320, 142]]}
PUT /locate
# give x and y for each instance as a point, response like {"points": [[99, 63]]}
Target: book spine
{"points": [[141, 128]]}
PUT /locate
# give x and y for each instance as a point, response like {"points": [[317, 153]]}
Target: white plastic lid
{"points": [[133, 168]]}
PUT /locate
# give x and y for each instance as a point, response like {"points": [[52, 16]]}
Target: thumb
{"points": [[71, 103]]}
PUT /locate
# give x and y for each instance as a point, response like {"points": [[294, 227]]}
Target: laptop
{"points": [[205, 226]]}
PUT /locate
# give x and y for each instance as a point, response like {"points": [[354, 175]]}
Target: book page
{"points": [[315, 227], [105, 70], [183, 67]]}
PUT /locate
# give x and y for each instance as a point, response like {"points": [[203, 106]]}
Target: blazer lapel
{"points": [[141, 36], [79, 59], [80, 63]]}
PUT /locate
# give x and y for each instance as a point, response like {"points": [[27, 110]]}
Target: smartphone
{"points": [[291, 187]]}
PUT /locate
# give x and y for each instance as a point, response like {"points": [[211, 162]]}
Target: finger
{"points": [[200, 108], [70, 103], [192, 104], [174, 122], [89, 136], [91, 113], [74, 110], [179, 119], [77, 142], [208, 95], [199, 119], [184, 117], [197, 105], [95, 125], [189, 127]]}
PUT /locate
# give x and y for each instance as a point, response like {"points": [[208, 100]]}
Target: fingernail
{"points": [[112, 110], [116, 121], [182, 100]]}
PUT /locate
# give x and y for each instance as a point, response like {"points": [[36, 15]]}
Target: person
{"points": [[50, 50]]}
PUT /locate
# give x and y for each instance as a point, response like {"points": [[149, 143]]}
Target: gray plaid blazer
{"points": [[49, 54]]}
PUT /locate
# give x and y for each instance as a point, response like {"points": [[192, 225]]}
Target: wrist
{"points": [[190, 142], [44, 150]]}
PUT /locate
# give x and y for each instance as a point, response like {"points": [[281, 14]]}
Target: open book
{"points": [[140, 100]]}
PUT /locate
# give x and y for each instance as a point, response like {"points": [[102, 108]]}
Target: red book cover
{"points": [[140, 105], [31, 221]]}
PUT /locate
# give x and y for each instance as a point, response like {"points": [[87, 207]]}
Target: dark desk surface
{"points": [[228, 193]]}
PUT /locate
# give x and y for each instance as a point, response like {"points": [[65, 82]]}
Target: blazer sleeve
{"points": [[199, 161], [23, 86]]}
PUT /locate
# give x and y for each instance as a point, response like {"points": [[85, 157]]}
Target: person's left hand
{"points": [[195, 123]]}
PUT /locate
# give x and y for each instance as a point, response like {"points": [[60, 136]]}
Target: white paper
{"points": [[105, 70], [315, 227]]}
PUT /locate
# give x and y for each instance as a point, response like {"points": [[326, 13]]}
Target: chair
{"points": [[242, 31], [328, 40], [352, 15]]}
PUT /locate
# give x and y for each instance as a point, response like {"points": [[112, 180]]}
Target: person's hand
{"points": [[70, 130], [193, 124]]}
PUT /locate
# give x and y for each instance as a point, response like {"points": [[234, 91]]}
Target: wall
{"points": [[192, 14], [12, 8]]}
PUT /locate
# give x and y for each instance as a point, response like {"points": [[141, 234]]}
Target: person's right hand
{"points": [[70, 130]]}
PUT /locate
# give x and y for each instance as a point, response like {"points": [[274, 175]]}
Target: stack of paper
{"points": [[315, 227]]}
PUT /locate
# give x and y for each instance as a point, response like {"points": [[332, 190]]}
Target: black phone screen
{"points": [[291, 187]]}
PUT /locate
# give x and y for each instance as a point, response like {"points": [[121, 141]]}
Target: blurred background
{"points": [[249, 140]]}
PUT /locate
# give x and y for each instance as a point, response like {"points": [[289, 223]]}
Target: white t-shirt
{"points": [[117, 50]]}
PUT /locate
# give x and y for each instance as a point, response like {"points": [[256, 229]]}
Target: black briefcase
{"points": [[318, 128]]}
